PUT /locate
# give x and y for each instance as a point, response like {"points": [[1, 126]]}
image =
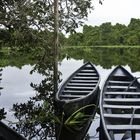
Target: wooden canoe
{"points": [[6, 133], [79, 90], [120, 106]]}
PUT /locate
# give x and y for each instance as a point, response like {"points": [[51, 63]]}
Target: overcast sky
{"points": [[114, 11]]}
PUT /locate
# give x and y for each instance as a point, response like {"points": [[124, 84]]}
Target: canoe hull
{"points": [[80, 134], [120, 96], [79, 90]]}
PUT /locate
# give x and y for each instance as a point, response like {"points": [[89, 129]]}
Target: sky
{"points": [[114, 11]]}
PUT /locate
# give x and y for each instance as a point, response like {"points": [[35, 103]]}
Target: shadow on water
{"points": [[36, 117]]}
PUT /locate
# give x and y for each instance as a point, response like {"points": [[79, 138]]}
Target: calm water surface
{"points": [[17, 89]]}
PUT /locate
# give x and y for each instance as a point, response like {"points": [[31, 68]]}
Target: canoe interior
{"points": [[120, 96], [80, 84], [79, 89]]}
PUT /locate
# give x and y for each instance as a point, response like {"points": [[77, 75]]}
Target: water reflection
{"points": [[32, 95], [106, 57], [36, 116], [2, 111]]}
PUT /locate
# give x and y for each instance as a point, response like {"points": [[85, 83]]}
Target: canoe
{"points": [[79, 90], [6, 133], [120, 106]]}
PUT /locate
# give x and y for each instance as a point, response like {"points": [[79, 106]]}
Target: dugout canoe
{"points": [[120, 106], [79, 90]]}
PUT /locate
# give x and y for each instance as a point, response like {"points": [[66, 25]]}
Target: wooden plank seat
{"points": [[78, 88], [75, 92], [121, 106], [119, 82], [85, 78], [83, 81], [82, 84], [123, 127], [121, 116], [120, 87], [122, 93], [122, 100], [86, 74], [87, 71]]}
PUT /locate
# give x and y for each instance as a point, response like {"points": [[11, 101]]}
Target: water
{"points": [[16, 81]]}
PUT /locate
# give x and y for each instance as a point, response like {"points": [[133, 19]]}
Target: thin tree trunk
{"points": [[56, 44]]}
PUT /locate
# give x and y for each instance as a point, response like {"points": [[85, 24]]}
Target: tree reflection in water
{"points": [[2, 112], [36, 116]]}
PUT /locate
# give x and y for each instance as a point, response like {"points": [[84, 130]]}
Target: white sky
{"points": [[114, 11]]}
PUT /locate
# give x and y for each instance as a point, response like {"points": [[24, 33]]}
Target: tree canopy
{"points": [[108, 34], [23, 20]]}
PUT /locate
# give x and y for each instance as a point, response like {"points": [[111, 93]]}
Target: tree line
{"points": [[107, 34], [30, 23]]}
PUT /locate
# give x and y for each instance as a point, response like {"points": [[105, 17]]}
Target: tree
{"points": [[20, 17], [75, 39], [91, 35]]}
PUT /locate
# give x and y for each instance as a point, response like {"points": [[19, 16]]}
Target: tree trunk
{"points": [[56, 44]]}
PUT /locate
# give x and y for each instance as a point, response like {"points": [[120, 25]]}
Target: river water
{"points": [[16, 81]]}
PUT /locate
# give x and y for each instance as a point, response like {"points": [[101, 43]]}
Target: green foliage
{"points": [[106, 56], [2, 114], [26, 23], [75, 39], [77, 120], [107, 34], [35, 116]]}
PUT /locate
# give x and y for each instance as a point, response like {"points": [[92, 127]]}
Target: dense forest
{"points": [[105, 34]]}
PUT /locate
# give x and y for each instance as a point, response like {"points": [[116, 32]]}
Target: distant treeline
{"points": [[107, 34]]}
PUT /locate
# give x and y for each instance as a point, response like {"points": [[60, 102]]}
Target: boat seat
{"points": [[120, 106], [121, 87], [85, 78], [71, 96], [122, 100], [78, 88], [82, 84], [122, 116], [119, 82], [83, 81], [86, 74], [75, 92], [123, 127], [87, 71], [122, 93]]}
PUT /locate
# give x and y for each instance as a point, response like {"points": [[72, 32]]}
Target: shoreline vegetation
{"points": [[106, 56], [105, 35], [103, 46]]}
